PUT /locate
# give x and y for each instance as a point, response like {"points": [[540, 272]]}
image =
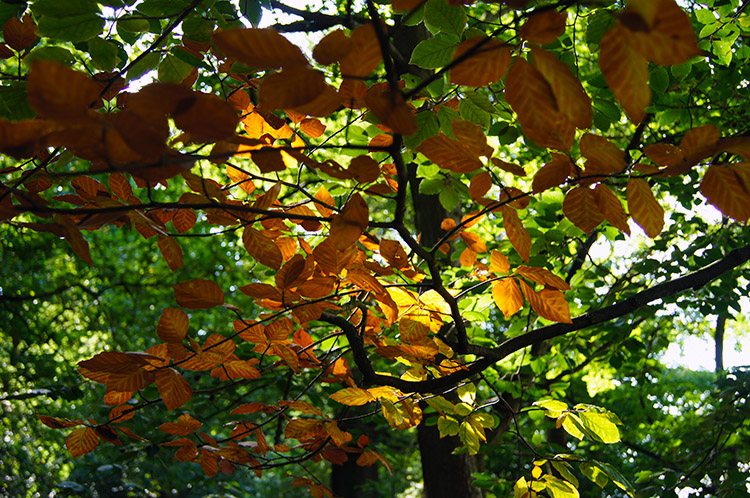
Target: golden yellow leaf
{"points": [[611, 208], [507, 296], [450, 154], [571, 99], [602, 156], [499, 262], [548, 303], [553, 173], [352, 396], [518, 235]]}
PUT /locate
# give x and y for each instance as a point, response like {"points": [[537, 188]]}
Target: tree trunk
{"points": [[446, 475], [721, 322]]}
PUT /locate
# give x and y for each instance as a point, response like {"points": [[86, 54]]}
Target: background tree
{"points": [[332, 244]]}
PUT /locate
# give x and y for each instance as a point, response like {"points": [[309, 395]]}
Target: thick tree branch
{"points": [[489, 356]]}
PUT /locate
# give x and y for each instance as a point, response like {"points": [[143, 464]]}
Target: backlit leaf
{"points": [[580, 208], [450, 154], [261, 248], [175, 391], [518, 235], [570, 97], [198, 294], [644, 208], [332, 47], [668, 37], [611, 208], [185, 425], [171, 251], [81, 441], [291, 88], [259, 48], [173, 325], [352, 396], [552, 174], [626, 72], [549, 303], [727, 186], [480, 185], [347, 226], [507, 296], [544, 27], [480, 65], [58, 92]]}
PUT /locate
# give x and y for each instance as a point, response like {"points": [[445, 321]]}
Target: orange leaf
{"points": [[259, 48], [173, 325], [468, 257], [364, 56], [664, 154], [480, 185], [644, 208], [548, 303], [325, 202], [571, 99], [553, 173], [171, 251], [261, 248], [338, 436], [20, 33], [185, 425], [499, 262], [486, 65], [364, 169], [301, 429], [450, 154], [580, 208], [544, 27], [312, 127], [184, 219], [542, 276], [206, 117], [626, 72], [728, 188], [58, 423], [120, 186], [700, 143], [332, 259], [74, 237], [114, 362], [518, 235], [208, 462], [82, 441], [611, 207], [347, 226], [332, 48], [391, 110], [129, 381], [661, 31], [198, 294], [352, 396], [471, 136], [507, 296], [175, 391], [531, 97], [602, 156], [291, 88]]}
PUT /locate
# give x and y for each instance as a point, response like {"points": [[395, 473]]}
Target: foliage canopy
{"points": [[467, 216]]}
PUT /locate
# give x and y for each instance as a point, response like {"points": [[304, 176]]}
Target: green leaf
{"points": [[103, 54], [146, 64], [617, 478], [558, 488], [448, 426], [434, 52], [473, 113], [467, 392], [463, 409], [132, 25], [72, 28], [449, 198], [440, 404], [565, 470], [598, 24], [446, 117], [443, 18], [431, 186], [9, 10], [173, 69], [595, 473], [427, 126], [162, 7], [13, 103], [64, 8], [659, 79], [252, 11], [186, 56], [573, 425], [483, 420], [59, 54]]}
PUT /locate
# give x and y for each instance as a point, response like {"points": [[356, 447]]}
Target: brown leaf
{"points": [[58, 92], [259, 48], [552, 174], [198, 294], [20, 33], [570, 97], [450, 154], [518, 235], [364, 169], [171, 251], [644, 208], [389, 107], [486, 65], [175, 391], [611, 208], [333, 47], [626, 72], [509, 167], [290, 88], [81, 441], [602, 156], [173, 325], [580, 208], [185, 425], [312, 127], [347, 226], [728, 188], [544, 27], [364, 55], [261, 248], [480, 185]]}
